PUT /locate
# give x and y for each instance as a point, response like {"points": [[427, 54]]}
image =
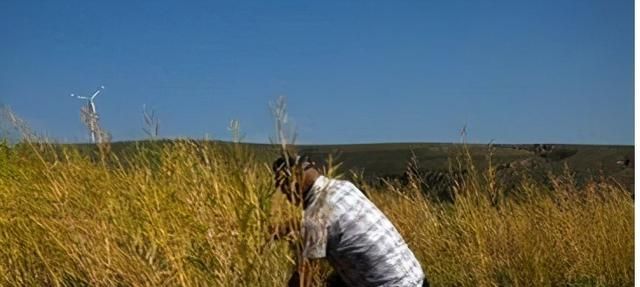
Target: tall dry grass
{"points": [[555, 235], [190, 214]]}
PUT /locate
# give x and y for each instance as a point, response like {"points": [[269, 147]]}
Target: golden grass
{"points": [[197, 215]]}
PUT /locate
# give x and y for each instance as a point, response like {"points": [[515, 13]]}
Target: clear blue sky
{"points": [[371, 71]]}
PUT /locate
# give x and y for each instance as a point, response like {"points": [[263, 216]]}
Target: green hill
{"points": [[389, 160]]}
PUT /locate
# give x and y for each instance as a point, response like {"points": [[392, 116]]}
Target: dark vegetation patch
{"points": [[437, 161]]}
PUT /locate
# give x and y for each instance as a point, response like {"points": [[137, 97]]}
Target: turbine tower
{"points": [[90, 115]]}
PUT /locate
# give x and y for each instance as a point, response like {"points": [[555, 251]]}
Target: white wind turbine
{"points": [[92, 114]]}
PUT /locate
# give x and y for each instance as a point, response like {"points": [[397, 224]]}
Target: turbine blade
{"points": [[95, 94]]}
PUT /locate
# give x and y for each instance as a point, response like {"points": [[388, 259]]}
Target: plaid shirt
{"points": [[362, 245]]}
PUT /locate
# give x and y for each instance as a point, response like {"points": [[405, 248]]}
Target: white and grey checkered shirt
{"points": [[362, 245]]}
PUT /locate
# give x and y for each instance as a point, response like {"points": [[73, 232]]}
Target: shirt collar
{"points": [[321, 183]]}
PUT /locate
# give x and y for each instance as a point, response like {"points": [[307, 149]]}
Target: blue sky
{"points": [[353, 72]]}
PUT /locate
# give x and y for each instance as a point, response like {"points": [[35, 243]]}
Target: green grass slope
{"points": [[389, 160]]}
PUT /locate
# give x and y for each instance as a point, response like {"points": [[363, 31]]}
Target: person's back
{"points": [[362, 245]]}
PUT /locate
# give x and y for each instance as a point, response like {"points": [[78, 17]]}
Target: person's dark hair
{"points": [[282, 170]]}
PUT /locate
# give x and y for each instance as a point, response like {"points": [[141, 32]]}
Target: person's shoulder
{"points": [[346, 192], [351, 189], [326, 185], [342, 184]]}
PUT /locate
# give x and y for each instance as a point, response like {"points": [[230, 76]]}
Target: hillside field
{"points": [[390, 160], [193, 213]]}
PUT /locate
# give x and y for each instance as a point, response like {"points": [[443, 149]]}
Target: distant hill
{"points": [[389, 160]]}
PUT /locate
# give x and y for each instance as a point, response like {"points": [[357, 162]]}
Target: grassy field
{"points": [[193, 214]]}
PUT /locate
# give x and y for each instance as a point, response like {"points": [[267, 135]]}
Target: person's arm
{"points": [[305, 273], [282, 230], [314, 239], [314, 236], [312, 248]]}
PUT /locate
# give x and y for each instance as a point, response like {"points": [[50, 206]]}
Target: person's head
{"points": [[294, 175]]}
